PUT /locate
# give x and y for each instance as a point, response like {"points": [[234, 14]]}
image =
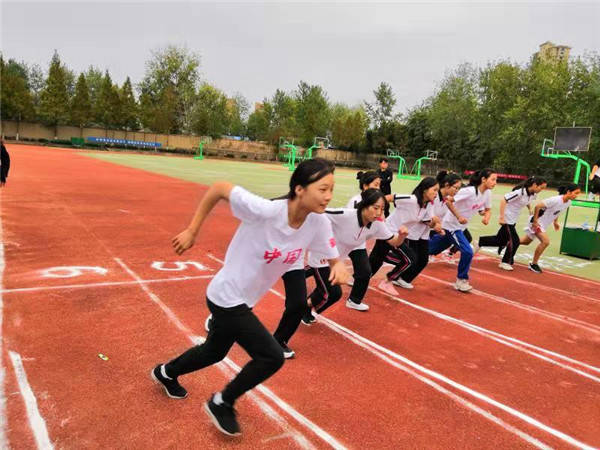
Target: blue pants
{"points": [[439, 243]]}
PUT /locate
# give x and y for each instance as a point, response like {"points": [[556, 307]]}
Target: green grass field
{"points": [[271, 180]]}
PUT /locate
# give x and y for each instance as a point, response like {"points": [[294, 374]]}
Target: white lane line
{"points": [[36, 421], [559, 317], [505, 340], [366, 345], [300, 438], [478, 395], [104, 284], [3, 438], [537, 285]]}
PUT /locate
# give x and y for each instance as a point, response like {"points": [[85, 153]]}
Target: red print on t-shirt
{"points": [[332, 242], [270, 256], [292, 256]]}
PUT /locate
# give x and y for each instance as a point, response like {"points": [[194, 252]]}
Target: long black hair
{"points": [[307, 173], [479, 175], [366, 178], [445, 178], [567, 187], [530, 182], [426, 183], [369, 197]]}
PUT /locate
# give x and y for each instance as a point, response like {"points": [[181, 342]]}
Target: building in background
{"points": [[552, 52]]}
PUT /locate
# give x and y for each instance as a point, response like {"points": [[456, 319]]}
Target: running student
{"points": [[476, 197], [545, 213], [351, 228], [387, 176], [595, 181], [449, 184], [366, 180], [510, 207], [270, 238], [414, 213]]}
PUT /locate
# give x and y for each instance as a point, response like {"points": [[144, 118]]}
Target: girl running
{"points": [[545, 213], [351, 228], [414, 213], [595, 181], [366, 180], [270, 238], [510, 208], [470, 199]]}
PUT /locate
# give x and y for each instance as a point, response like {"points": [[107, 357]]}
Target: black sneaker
{"points": [[308, 318], [208, 323], [535, 268], [288, 353], [223, 416], [172, 387]]}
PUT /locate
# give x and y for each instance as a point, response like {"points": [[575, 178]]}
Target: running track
{"points": [[88, 269]]}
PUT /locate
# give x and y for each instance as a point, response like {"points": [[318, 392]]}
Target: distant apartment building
{"points": [[258, 106], [552, 52]]}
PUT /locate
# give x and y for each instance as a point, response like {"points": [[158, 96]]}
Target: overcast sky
{"points": [[255, 48]]}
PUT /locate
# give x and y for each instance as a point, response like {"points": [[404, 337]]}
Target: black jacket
{"points": [[387, 176], [4, 164]]}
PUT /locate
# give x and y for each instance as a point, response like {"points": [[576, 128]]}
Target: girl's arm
{"points": [[454, 211], [184, 240], [398, 238], [593, 172], [338, 273], [536, 213], [487, 212]]}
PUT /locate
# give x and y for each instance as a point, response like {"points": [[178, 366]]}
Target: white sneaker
{"points": [[505, 266], [357, 306], [387, 287], [403, 284], [462, 285], [476, 247]]}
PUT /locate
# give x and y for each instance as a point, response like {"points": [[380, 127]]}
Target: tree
{"points": [[54, 98], [210, 115], [81, 107], [238, 115], [418, 131], [171, 76], [16, 101], [258, 122], [312, 112], [129, 106], [348, 127], [107, 110], [281, 116], [384, 123]]}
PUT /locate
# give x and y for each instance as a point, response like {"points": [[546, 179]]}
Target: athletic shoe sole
{"points": [[535, 271], [157, 381], [216, 422], [463, 290]]}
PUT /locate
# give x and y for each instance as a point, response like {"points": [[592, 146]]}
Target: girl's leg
{"points": [[438, 243], [512, 245], [544, 243], [326, 293], [421, 249], [499, 239], [295, 305], [466, 254], [362, 274], [377, 255], [402, 257]]}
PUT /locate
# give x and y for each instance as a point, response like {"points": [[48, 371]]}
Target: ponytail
{"points": [[568, 187], [366, 178], [479, 175], [530, 182]]}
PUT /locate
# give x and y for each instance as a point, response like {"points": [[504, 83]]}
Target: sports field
{"points": [[93, 297]]}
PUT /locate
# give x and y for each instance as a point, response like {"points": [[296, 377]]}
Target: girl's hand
{"points": [[556, 226], [485, 220], [183, 241], [462, 221], [438, 228], [339, 274]]}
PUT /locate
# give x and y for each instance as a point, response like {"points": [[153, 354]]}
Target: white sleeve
{"points": [[352, 202], [249, 207], [552, 202], [511, 196], [463, 194], [323, 242], [399, 199], [382, 231], [488, 200]]}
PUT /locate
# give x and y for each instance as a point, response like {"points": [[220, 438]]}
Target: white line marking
{"points": [[536, 285], [36, 421], [105, 284], [331, 324], [3, 438], [561, 318], [513, 412], [502, 339], [264, 390]]}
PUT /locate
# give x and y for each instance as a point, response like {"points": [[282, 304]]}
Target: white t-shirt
{"points": [[440, 206], [467, 201], [409, 213], [354, 201], [349, 233], [554, 206], [515, 202], [264, 247]]}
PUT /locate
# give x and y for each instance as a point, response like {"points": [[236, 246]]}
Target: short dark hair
{"points": [[383, 160]]}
